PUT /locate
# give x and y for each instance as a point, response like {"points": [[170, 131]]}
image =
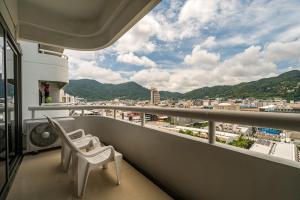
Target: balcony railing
{"points": [[285, 121]]}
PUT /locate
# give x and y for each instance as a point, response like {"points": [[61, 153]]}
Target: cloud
{"points": [[210, 42], [200, 10], [232, 41], [82, 55], [130, 58], [290, 34], [245, 66], [202, 58], [182, 19], [279, 51], [81, 69], [185, 19], [152, 78], [137, 39]]}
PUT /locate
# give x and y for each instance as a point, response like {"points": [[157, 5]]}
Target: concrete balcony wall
{"points": [[191, 168]]}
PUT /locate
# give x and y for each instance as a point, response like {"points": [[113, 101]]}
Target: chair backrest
{"points": [[61, 131], [52, 125]]}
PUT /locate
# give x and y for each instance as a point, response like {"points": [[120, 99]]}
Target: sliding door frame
{"points": [[11, 168]]}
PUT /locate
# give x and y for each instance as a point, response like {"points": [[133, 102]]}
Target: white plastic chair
{"points": [[84, 162], [79, 138]]}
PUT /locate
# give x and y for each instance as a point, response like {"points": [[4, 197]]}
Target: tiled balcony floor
{"points": [[40, 178]]}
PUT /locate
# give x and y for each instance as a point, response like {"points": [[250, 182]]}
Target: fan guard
{"points": [[43, 135]]}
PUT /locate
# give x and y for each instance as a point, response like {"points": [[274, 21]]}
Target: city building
{"points": [[66, 98], [227, 106], [203, 133], [155, 97]]}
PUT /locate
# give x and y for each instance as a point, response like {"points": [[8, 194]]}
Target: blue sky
{"points": [[182, 45]]}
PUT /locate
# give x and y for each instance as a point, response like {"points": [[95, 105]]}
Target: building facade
{"points": [[155, 97]]}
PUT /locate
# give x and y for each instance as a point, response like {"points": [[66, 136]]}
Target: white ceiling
{"points": [[79, 24]]}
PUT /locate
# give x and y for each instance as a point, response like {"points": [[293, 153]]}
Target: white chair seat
{"points": [[102, 157], [83, 142]]}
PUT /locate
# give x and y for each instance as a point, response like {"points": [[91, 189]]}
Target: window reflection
{"points": [[10, 64], [2, 115]]}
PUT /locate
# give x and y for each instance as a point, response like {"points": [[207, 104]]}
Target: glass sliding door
{"points": [[11, 59], [10, 106], [3, 160]]}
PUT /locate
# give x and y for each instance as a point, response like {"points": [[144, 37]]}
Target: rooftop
{"points": [[278, 149], [284, 150]]}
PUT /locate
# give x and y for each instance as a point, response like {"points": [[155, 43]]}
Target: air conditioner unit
{"points": [[40, 136]]}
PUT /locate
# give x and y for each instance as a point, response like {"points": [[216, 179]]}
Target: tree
{"points": [[242, 142]]}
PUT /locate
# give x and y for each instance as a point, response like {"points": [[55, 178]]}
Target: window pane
{"points": [[2, 114], [12, 137]]}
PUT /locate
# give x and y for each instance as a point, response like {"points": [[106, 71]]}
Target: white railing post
{"points": [[211, 132], [32, 114], [142, 119], [115, 114], [82, 112]]}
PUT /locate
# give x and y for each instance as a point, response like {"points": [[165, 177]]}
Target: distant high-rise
{"points": [[155, 97]]}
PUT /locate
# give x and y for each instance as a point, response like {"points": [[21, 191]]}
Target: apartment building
{"points": [[155, 97]]}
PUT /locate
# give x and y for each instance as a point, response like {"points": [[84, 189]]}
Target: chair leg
{"points": [[67, 159], [72, 168], [81, 177], [118, 161], [62, 155]]}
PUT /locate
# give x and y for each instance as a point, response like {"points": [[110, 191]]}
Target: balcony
{"points": [[184, 166]]}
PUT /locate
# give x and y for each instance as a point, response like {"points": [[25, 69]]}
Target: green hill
{"points": [[93, 90], [286, 85]]}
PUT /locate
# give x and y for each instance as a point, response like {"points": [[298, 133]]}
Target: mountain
{"points": [[93, 90], [170, 95], [286, 85]]}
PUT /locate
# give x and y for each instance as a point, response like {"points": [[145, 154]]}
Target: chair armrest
{"points": [[76, 134], [98, 151]]}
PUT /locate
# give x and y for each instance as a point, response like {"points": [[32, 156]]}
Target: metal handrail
{"points": [[287, 121]]}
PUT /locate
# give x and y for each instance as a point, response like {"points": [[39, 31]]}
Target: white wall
{"points": [[35, 67]]}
